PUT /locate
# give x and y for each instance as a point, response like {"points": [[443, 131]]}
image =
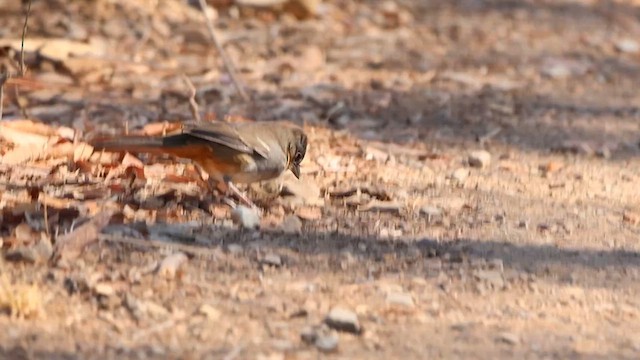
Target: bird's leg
{"points": [[229, 188], [224, 186]]}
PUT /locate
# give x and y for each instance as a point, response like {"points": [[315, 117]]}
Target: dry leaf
{"points": [[82, 152], [23, 138], [21, 155]]}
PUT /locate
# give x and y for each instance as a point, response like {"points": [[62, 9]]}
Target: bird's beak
{"points": [[295, 169]]}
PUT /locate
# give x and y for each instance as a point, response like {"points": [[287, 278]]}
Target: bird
{"points": [[229, 153]]}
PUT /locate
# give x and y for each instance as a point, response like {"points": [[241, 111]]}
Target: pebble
{"points": [[327, 342], [460, 175], [291, 225], [479, 159], [431, 211], [342, 319], [104, 289], [323, 338], [272, 259], [509, 338], [627, 46], [400, 298], [246, 217], [210, 312], [235, 249], [309, 334]]}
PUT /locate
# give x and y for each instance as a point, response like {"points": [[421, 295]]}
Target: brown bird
{"points": [[228, 152]]}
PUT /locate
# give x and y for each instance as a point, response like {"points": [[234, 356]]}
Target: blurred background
{"points": [[547, 73]]}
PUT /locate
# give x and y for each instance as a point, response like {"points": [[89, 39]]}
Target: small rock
{"points": [[246, 217], [343, 320], [234, 249], [627, 46], [558, 68], [479, 159], [373, 153], [210, 312], [460, 175], [172, 266], [104, 289], [327, 342], [431, 212], [309, 334], [509, 338], [291, 225], [322, 337], [272, 259], [400, 298], [155, 310]]}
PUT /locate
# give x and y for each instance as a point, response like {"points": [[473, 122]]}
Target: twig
{"points": [[488, 136], [228, 64], [24, 34], [187, 249], [193, 105], [23, 109], [46, 217], [4, 75]]}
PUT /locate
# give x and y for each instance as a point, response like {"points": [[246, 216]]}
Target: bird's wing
{"points": [[219, 133]]}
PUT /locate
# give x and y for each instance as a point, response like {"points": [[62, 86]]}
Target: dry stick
{"points": [[193, 105], [24, 34], [187, 249], [3, 78], [228, 64], [46, 218]]}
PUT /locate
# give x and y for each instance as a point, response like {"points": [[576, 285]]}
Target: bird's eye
{"points": [[298, 158]]}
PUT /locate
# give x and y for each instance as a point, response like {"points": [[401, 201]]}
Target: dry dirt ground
{"points": [[529, 249]]}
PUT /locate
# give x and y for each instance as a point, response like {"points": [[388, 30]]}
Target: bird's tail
{"points": [[133, 144]]}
